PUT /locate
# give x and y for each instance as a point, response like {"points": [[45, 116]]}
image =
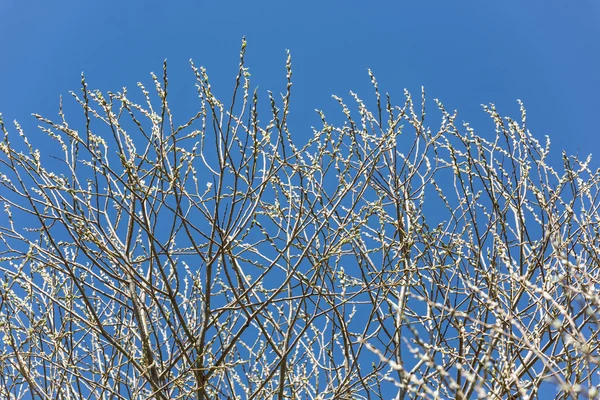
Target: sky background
{"points": [[465, 53]]}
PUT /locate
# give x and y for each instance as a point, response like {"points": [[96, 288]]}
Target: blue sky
{"points": [[464, 53]]}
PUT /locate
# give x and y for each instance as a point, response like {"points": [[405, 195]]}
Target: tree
{"points": [[221, 259]]}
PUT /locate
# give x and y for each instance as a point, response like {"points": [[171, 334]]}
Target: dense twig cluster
{"points": [[220, 260]]}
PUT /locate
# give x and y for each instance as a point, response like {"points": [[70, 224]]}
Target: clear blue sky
{"points": [[465, 53]]}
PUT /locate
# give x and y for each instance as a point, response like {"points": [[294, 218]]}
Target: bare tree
{"points": [[220, 259]]}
